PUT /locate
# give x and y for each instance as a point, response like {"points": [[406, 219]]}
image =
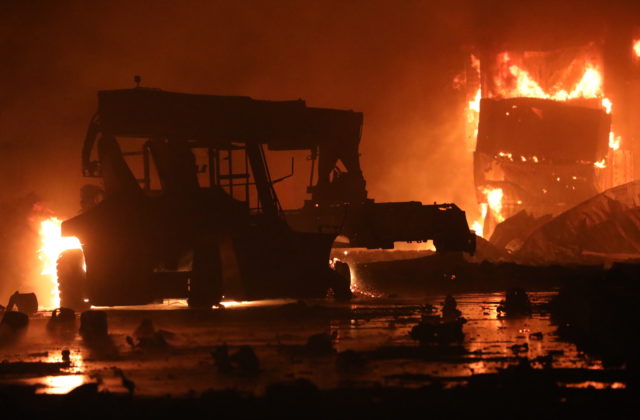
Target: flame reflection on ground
{"points": [[596, 385], [169, 304], [61, 384], [377, 327]]}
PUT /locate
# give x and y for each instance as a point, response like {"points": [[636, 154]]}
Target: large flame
{"points": [[52, 244], [512, 81]]}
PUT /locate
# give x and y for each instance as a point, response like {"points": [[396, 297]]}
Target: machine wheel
{"points": [[205, 284], [341, 281], [71, 280]]}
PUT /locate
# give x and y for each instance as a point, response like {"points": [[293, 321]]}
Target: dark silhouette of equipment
{"points": [[207, 231]]}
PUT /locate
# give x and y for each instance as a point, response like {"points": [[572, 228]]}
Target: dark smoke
{"points": [[395, 61]]}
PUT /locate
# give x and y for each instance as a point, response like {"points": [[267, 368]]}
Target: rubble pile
{"points": [[605, 227], [516, 303], [534, 253], [445, 330]]}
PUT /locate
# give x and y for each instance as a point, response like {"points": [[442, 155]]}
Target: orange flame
{"points": [[494, 200], [52, 244], [478, 225], [478, 228], [474, 105], [513, 82], [614, 141], [636, 47], [600, 164]]}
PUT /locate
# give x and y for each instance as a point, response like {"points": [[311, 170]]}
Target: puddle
{"points": [[376, 328]]}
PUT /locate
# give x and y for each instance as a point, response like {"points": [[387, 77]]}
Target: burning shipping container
{"points": [[547, 135]]}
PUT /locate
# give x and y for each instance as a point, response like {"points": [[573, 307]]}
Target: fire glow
{"points": [[52, 244], [494, 199], [614, 141], [512, 81]]}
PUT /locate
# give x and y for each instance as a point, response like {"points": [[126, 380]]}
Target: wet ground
{"points": [[376, 329]]}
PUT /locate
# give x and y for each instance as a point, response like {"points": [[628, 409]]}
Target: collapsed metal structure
{"points": [[219, 229], [539, 152], [550, 107]]}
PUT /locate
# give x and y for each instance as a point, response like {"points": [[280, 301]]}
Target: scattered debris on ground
{"points": [[450, 311], [27, 303], [243, 361], [516, 303], [444, 330], [95, 334], [148, 337], [321, 343], [62, 323], [12, 327], [350, 361]]}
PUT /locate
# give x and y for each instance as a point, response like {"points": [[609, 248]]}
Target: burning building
{"points": [[551, 125]]}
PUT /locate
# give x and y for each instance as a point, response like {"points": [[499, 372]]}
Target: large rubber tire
{"points": [[71, 280], [205, 284], [341, 281]]}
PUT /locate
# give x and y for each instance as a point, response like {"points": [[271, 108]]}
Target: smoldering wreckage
{"points": [[187, 212]]}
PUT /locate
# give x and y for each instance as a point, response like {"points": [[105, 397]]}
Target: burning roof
{"points": [[546, 129]]}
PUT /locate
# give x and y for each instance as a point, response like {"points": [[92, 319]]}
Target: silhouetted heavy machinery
{"points": [[205, 231]]}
